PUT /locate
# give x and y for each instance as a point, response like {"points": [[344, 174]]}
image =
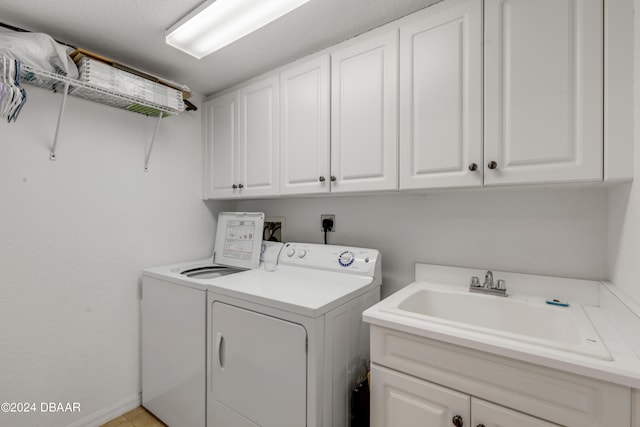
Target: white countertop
{"points": [[614, 318]]}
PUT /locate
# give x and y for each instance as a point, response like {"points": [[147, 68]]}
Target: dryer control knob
{"points": [[290, 252], [345, 259], [301, 253]]}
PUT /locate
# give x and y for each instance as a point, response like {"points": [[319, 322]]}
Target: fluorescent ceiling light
{"points": [[217, 23]]}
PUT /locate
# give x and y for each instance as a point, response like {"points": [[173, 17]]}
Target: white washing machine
{"points": [[286, 346], [174, 316]]}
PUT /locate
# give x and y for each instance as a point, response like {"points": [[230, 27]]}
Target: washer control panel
{"points": [[330, 257]]}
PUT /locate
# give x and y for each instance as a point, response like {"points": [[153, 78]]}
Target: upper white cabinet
{"points": [[348, 144], [441, 97], [364, 111], [259, 138], [242, 142], [465, 93], [543, 91], [305, 128], [220, 146]]}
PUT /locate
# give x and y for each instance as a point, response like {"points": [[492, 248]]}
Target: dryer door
{"points": [[258, 365]]}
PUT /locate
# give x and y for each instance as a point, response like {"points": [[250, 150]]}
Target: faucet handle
{"points": [[501, 284], [475, 282]]}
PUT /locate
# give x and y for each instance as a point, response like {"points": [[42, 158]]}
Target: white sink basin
{"points": [[521, 319]]}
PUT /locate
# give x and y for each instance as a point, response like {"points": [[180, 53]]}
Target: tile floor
{"points": [[138, 417]]}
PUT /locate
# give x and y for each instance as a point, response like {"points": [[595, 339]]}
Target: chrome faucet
{"points": [[488, 287], [488, 279]]}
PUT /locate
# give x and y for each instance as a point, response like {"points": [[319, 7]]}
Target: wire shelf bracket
{"points": [[155, 133], [52, 154]]}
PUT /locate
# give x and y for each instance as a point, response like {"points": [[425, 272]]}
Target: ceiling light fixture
{"points": [[217, 23]]}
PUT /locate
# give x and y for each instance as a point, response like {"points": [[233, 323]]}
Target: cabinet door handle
{"points": [[457, 421], [322, 179], [234, 186], [240, 186], [473, 167], [333, 178], [492, 165], [480, 425]]}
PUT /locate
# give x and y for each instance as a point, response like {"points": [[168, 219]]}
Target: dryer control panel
{"points": [[344, 259]]}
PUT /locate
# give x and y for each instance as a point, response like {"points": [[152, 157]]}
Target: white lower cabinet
{"points": [[416, 381], [400, 400]]}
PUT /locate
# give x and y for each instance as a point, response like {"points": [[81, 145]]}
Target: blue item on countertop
{"points": [[558, 302]]}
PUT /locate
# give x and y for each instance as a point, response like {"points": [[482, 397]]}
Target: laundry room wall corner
{"points": [[75, 235]]}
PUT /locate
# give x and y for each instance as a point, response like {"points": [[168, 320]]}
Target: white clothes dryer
{"points": [[287, 346]]}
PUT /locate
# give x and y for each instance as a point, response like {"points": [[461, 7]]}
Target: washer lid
{"points": [[238, 239]]}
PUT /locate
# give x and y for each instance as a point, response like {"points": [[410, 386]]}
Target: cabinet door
{"points": [[304, 128], [364, 110], [221, 137], [258, 368], [489, 415], [543, 91], [259, 138], [398, 400], [441, 97]]}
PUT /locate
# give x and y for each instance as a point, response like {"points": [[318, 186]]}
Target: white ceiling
{"points": [[132, 32]]}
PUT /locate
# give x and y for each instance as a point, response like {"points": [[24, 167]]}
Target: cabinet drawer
{"points": [[562, 398]]}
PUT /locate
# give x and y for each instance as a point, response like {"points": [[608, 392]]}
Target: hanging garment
{"points": [[12, 95]]}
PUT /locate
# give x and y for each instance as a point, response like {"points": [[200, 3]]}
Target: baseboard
{"points": [[107, 414]]}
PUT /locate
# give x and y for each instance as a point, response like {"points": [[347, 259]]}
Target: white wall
{"points": [[74, 237], [624, 208], [549, 232]]}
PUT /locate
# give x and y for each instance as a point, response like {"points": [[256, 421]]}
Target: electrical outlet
{"points": [[327, 216], [273, 229]]}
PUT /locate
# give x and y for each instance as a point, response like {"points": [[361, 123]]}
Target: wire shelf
{"points": [[55, 82], [67, 86]]}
